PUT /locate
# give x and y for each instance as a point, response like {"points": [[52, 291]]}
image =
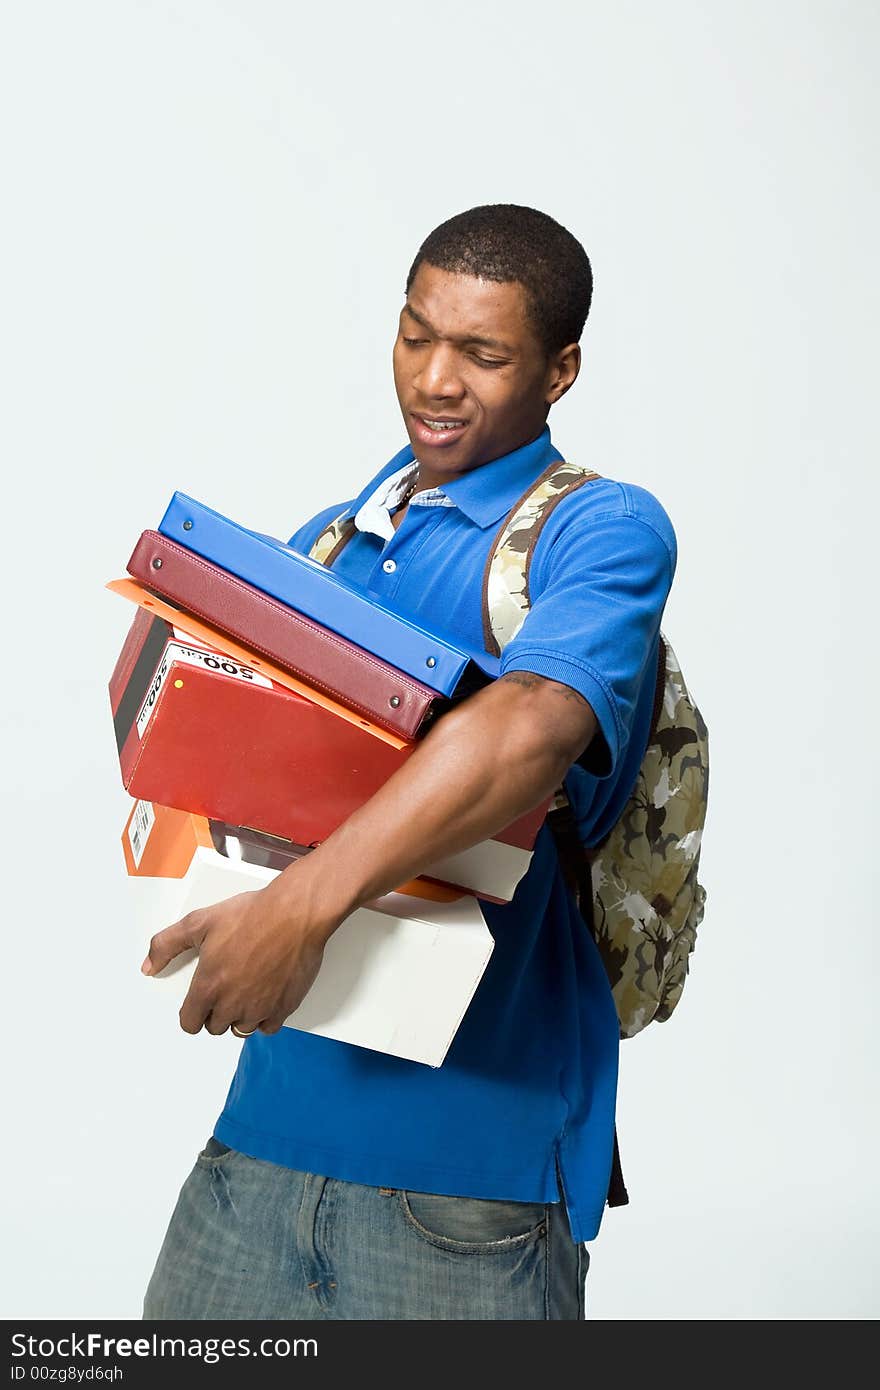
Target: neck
{"points": [[432, 477]]}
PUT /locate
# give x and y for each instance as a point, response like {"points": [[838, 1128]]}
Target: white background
{"points": [[209, 211]]}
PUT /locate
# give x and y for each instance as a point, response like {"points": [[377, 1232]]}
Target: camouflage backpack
{"points": [[637, 889]]}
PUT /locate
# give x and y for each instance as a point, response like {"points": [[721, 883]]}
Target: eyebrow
{"points": [[465, 338]]}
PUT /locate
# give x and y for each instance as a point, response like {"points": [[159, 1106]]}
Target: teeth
{"points": [[442, 425]]}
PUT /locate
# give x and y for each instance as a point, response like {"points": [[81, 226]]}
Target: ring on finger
{"points": [[241, 1032]]}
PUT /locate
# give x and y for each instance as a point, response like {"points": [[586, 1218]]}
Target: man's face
{"points": [[471, 375]]}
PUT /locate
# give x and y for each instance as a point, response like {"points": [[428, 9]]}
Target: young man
{"points": [[344, 1183]]}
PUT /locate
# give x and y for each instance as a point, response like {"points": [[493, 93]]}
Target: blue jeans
{"points": [[250, 1239]]}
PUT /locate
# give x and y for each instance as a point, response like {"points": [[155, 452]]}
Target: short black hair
{"points": [[506, 242]]}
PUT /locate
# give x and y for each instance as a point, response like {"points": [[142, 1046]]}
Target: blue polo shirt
{"points": [[527, 1089]]}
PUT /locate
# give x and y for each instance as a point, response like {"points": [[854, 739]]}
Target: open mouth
{"points": [[439, 429]]}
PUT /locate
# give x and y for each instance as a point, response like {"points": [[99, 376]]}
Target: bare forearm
{"points": [[485, 764]]}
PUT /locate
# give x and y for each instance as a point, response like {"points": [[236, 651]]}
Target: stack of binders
{"points": [[257, 701]]}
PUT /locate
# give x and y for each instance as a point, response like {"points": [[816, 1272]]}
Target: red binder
{"points": [[328, 662], [201, 730]]}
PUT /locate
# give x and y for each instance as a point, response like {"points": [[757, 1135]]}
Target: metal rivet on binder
{"points": [[187, 526], [394, 702], [157, 563], [432, 661]]}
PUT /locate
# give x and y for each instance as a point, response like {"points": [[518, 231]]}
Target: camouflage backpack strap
{"points": [[334, 537], [506, 578]]}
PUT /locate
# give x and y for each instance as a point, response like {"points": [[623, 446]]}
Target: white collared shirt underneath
{"points": [[375, 514]]}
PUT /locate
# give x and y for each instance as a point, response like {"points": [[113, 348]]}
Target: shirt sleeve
{"points": [[597, 596]]}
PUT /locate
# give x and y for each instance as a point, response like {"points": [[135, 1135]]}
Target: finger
{"points": [[167, 944], [220, 1020], [196, 1007], [216, 1023], [272, 1025]]}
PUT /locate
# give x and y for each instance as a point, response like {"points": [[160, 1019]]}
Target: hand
{"points": [[259, 954]]}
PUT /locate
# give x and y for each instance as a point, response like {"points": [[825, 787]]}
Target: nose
{"points": [[439, 377]]}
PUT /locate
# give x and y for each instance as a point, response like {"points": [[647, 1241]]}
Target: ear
{"points": [[562, 370]]}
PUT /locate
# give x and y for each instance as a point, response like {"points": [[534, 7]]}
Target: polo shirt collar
{"points": [[487, 493]]}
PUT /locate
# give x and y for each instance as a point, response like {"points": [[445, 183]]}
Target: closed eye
{"points": [[475, 356]]}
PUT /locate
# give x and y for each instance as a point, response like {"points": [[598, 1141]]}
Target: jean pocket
{"points": [[472, 1225], [214, 1152]]}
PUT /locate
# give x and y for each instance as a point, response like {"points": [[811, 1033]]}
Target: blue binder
{"points": [[320, 594]]}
